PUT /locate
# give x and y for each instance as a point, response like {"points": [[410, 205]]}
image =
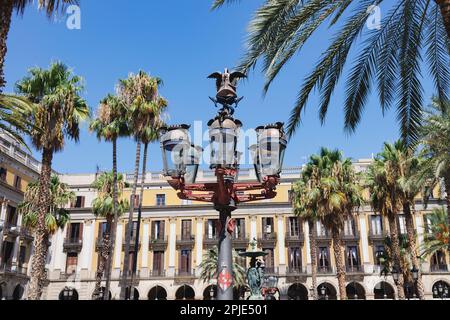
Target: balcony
{"points": [[11, 229], [377, 235], [354, 269], [325, 270], [210, 241], [132, 244], [292, 271], [26, 234], [184, 276], [438, 268], [157, 273], [9, 270], [267, 239], [158, 243], [351, 236], [324, 236], [240, 242], [292, 240], [72, 245], [296, 274], [185, 241], [136, 277]]}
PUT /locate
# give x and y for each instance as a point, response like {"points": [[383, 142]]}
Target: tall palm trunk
{"points": [[444, 5], [40, 241], [313, 251], [395, 247], [109, 261], [447, 199], [126, 260], [340, 269], [138, 227], [6, 10], [411, 233], [104, 255]]}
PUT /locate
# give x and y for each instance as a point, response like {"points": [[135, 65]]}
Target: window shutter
{"points": [[153, 235], [82, 201], [264, 224], [80, 235], [189, 228], [243, 232], [288, 226], [162, 229], [69, 225]]}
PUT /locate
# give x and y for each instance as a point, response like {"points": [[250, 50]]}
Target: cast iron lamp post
{"points": [[181, 160]]}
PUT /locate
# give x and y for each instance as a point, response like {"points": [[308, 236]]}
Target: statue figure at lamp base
{"points": [[255, 274]]}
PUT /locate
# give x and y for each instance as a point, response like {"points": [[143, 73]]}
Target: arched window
{"points": [[383, 290], [210, 293], [441, 290], [157, 293], [68, 294], [327, 291], [135, 294], [355, 291], [297, 291], [101, 294], [185, 292], [18, 292]]}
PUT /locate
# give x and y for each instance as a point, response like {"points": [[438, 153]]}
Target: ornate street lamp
{"points": [[181, 160], [268, 153], [415, 273], [323, 292]]}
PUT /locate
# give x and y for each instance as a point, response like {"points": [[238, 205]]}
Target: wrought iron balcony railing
{"points": [[325, 270], [185, 273], [296, 270], [72, 245], [11, 229], [157, 273], [354, 269], [160, 242], [438, 268]]}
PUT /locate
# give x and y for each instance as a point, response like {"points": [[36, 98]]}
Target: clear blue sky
{"points": [[182, 42]]}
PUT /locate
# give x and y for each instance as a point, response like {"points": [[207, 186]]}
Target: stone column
{"points": [[144, 248], [117, 250], [199, 241], [87, 249], [281, 246], [4, 205], [172, 250], [307, 246], [363, 233]]}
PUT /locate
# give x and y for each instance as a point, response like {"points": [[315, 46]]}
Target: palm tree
{"points": [[329, 192], [103, 206], [305, 209], [435, 137], [7, 7], [385, 197], [140, 94], [438, 236], [57, 116], [12, 110], [409, 187], [209, 267], [390, 56], [57, 216], [110, 124]]}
